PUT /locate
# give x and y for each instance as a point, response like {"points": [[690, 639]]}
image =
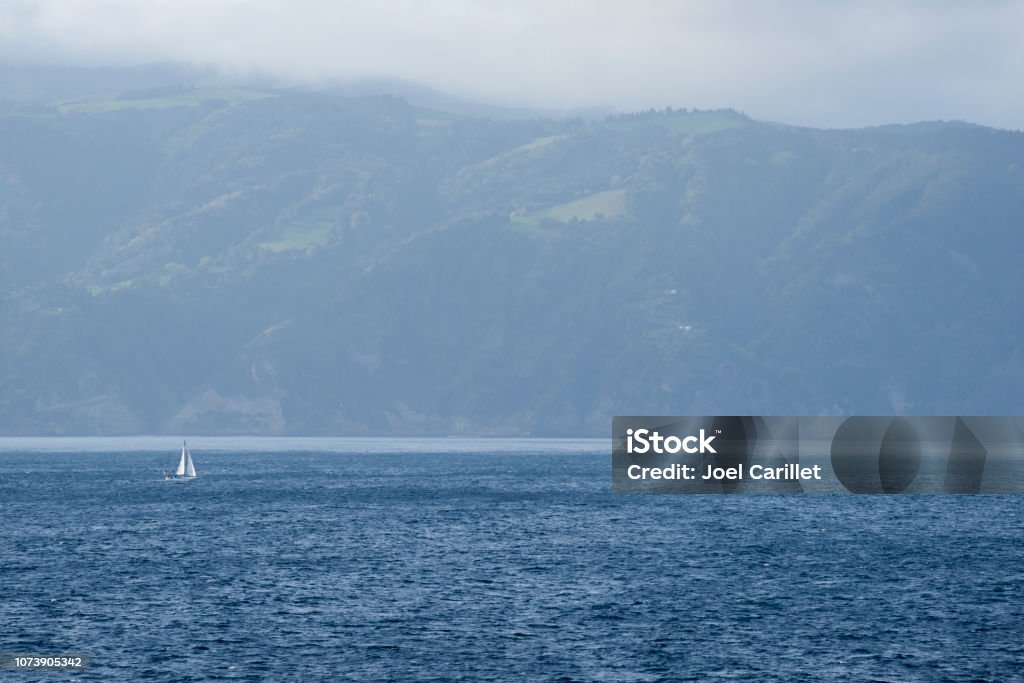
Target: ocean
{"points": [[493, 560]]}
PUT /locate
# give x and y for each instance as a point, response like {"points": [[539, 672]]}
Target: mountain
{"points": [[228, 259]]}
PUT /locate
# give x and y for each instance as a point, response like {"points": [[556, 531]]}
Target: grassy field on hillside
{"points": [[184, 98]]}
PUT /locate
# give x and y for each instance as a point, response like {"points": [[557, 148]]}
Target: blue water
{"points": [[475, 560]]}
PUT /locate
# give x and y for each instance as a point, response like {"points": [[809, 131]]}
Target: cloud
{"points": [[802, 61]]}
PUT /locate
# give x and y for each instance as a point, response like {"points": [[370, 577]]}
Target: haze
{"points": [[814, 63]]}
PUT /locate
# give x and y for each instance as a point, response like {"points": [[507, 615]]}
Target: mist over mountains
{"points": [[228, 259]]}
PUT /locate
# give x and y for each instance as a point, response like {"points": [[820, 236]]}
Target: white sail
{"points": [[185, 458], [190, 469], [186, 469]]}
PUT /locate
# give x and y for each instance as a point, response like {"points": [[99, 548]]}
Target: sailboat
{"points": [[186, 469]]}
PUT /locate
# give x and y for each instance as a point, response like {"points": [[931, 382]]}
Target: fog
{"points": [[814, 63]]}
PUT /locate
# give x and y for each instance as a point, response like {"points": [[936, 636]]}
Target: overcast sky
{"points": [[822, 63]]}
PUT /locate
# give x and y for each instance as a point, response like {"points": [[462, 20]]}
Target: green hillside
{"points": [[220, 260]]}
